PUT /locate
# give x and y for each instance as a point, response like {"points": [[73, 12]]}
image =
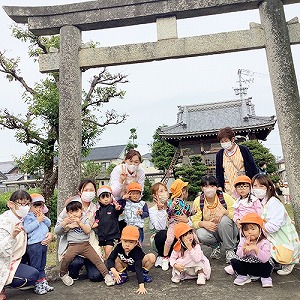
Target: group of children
{"points": [[123, 250]]}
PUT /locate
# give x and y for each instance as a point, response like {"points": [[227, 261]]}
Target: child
{"points": [[129, 254], [107, 219], [187, 258], [78, 229], [176, 207], [135, 209], [253, 253], [286, 193], [246, 202], [36, 225]]}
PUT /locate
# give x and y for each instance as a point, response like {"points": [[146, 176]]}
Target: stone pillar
{"points": [[285, 92], [70, 129]]}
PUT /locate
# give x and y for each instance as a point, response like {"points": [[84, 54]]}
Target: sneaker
{"points": [[254, 278], [123, 278], [241, 280], [286, 270], [229, 270], [165, 264], [266, 282], [201, 279], [67, 280], [108, 279], [229, 255], [216, 253], [176, 277], [147, 278], [39, 288], [47, 287], [158, 261]]}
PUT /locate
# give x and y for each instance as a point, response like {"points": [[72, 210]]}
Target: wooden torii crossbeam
{"points": [[274, 34]]}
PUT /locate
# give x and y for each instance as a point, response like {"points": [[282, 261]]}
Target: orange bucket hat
{"points": [[176, 188], [130, 233], [252, 218], [134, 186], [242, 179], [179, 230]]}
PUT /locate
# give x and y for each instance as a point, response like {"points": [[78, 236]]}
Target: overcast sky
{"points": [[155, 89]]}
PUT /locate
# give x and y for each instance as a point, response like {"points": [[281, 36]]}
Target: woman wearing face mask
{"points": [[13, 245], [232, 160], [279, 229], [214, 219], [158, 220], [87, 192], [125, 173]]}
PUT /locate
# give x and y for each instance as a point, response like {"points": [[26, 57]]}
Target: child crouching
{"points": [[187, 258]]}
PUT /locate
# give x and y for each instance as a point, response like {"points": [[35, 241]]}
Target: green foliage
{"points": [[192, 173], [132, 138], [90, 169], [4, 197], [261, 153], [109, 169], [147, 192], [162, 152]]}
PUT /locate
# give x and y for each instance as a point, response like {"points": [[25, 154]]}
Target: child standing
{"points": [[176, 207], [36, 225], [246, 202], [286, 193], [187, 258], [128, 254], [78, 229], [135, 209], [107, 219], [253, 253]]}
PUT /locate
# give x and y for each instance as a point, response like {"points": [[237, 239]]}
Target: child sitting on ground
{"points": [[78, 229], [187, 258], [129, 255], [253, 253], [107, 219], [176, 207], [36, 225], [135, 209]]}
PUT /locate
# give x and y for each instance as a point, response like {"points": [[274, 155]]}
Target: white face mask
{"points": [[226, 145], [88, 196], [131, 168], [163, 198], [210, 192], [22, 211], [259, 193]]}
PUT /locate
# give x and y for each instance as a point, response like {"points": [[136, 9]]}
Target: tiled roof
{"points": [[106, 153], [7, 166], [207, 119], [14, 177]]}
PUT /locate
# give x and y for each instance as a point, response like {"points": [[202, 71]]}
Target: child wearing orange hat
{"points": [[253, 253], [176, 208], [129, 255], [135, 209], [187, 258], [36, 225], [106, 219]]}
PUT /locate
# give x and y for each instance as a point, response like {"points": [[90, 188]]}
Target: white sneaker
{"points": [[165, 264], [229, 270], [201, 279], [216, 253], [108, 279], [229, 255], [67, 280], [286, 270], [158, 262]]}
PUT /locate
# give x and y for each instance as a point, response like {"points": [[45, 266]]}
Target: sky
{"points": [[155, 89]]}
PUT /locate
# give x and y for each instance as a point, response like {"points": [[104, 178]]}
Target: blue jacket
{"points": [[249, 164]]}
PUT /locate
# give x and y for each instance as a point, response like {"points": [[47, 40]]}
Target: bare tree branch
{"points": [[111, 119]]}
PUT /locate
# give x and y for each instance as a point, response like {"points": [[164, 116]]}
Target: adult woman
{"points": [[213, 219], [278, 226], [87, 192], [231, 161], [13, 238], [158, 220], [125, 173]]}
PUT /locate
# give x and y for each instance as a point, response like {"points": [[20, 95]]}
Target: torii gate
{"points": [[274, 34]]}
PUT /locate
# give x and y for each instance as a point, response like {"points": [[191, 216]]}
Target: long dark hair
{"points": [[20, 195], [267, 182]]}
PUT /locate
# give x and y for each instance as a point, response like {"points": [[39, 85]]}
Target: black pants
{"points": [[159, 240], [255, 269]]}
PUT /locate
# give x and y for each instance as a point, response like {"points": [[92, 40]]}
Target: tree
{"points": [[162, 152], [39, 127], [192, 173], [132, 138], [261, 153], [91, 170]]}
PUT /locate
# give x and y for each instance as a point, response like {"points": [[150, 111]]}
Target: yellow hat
{"points": [[176, 188]]}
